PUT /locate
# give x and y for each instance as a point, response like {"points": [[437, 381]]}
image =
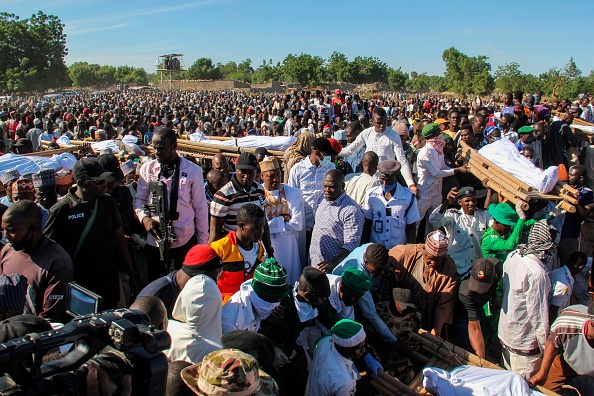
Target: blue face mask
{"points": [[388, 187], [326, 161]]}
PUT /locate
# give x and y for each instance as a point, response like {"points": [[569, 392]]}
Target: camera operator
{"points": [[44, 263]]}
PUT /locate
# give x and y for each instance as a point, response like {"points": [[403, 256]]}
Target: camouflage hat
{"points": [[228, 372]]}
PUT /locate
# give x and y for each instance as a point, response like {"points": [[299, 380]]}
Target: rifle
{"points": [[159, 207]]}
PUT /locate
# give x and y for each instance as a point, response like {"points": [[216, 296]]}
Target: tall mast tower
{"points": [[169, 67]]}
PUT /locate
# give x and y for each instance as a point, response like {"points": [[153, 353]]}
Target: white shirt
{"points": [[390, 229], [344, 311], [196, 329], [431, 169], [386, 145], [524, 320], [561, 287], [245, 310], [331, 373], [465, 234]]}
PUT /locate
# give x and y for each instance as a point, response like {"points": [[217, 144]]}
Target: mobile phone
{"points": [[81, 301]]}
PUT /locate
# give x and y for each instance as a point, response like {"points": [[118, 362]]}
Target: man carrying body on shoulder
{"points": [[98, 247], [338, 227], [44, 263], [464, 227], [357, 184], [432, 170], [186, 202], [390, 210]]}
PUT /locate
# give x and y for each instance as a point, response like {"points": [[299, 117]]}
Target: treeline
{"points": [[33, 52]]}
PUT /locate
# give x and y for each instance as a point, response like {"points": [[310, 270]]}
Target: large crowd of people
{"points": [[294, 275]]}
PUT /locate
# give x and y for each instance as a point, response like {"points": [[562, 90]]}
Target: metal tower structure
{"points": [[169, 67]]}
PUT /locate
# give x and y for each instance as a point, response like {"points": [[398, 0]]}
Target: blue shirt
{"points": [[366, 303], [165, 288]]}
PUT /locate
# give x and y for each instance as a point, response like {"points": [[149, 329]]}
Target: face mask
{"points": [[496, 138], [388, 187], [326, 161]]}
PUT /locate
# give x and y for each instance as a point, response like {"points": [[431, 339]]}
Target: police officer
{"points": [[390, 210], [464, 227]]}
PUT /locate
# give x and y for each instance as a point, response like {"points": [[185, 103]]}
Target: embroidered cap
{"points": [[269, 163], [436, 244], [356, 280], [45, 178], [347, 333], [10, 175]]}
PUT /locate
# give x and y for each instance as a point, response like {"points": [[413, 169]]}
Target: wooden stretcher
{"points": [[509, 187], [198, 149], [434, 352]]}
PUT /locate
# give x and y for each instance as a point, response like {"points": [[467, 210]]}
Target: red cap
{"points": [[336, 146], [200, 255], [337, 92]]}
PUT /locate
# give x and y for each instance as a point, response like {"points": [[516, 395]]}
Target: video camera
{"points": [[128, 343]]}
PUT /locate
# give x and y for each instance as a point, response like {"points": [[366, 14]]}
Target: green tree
{"points": [[420, 83], [397, 79], [106, 76], [338, 68], [203, 69], [571, 70], [83, 74], [369, 70], [131, 75], [304, 69], [467, 75], [267, 72], [33, 52], [509, 77]]}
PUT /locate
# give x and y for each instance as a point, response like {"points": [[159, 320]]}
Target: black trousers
{"points": [[156, 268]]}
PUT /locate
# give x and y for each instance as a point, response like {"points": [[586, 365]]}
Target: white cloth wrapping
{"points": [[196, 329], [280, 143], [504, 154], [475, 381], [115, 146], [33, 164]]}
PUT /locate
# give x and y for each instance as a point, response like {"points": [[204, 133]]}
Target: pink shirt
{"points": [[191, 203]]}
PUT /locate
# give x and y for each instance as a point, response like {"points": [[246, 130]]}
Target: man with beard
{"points": [[186, 203], [285, 217], [432, 275], [431, 171], [44, 263]]}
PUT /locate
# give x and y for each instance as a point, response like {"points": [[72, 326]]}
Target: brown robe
{"points": [[434, 291]]}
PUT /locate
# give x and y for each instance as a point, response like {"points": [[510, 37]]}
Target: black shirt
{"points": [[96, 266], [559, 139], [469, 302]]}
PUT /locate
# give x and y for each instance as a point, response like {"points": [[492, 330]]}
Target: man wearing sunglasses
{"points": [[87, 224]]}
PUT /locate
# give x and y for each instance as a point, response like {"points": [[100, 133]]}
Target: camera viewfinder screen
{"points": [[81, 304]]}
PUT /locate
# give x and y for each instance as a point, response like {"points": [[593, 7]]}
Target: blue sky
{"points": [[408, 34]]}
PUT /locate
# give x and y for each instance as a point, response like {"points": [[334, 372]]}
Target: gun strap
{"points": [[85, 232], [173, 215]]}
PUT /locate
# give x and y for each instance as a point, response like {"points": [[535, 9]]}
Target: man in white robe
{"points": [[285, 216]]}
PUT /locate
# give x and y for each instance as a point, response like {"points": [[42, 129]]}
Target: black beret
{"points": [[317, 281]]}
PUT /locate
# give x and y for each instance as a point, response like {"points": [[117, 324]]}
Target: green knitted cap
{"points": [[270, 280]]}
